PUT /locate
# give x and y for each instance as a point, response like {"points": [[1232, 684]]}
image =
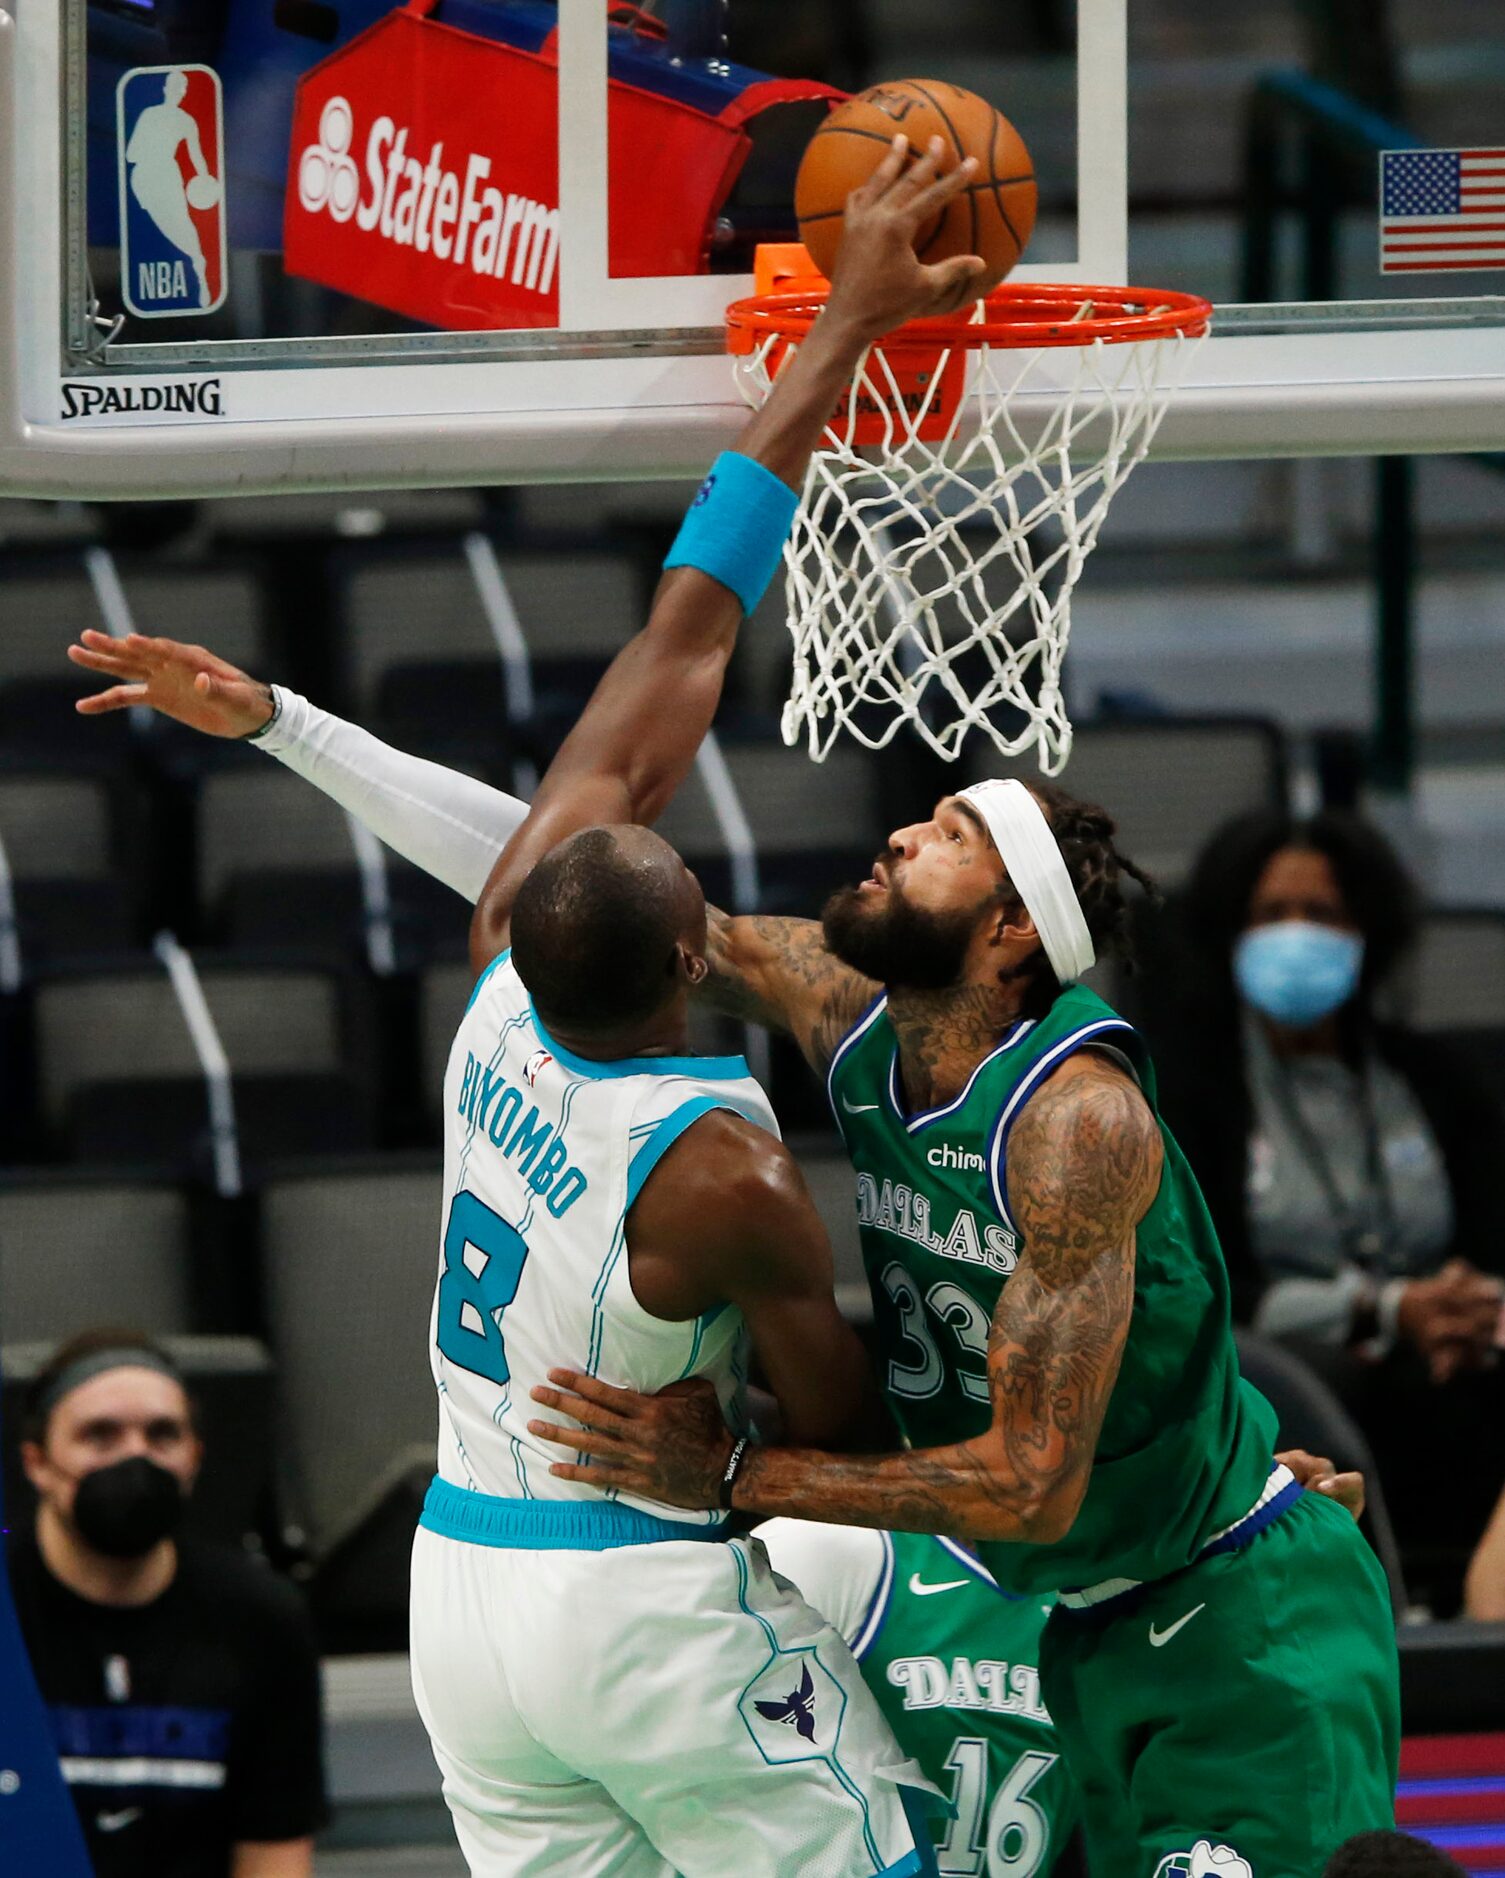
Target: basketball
{"points": [[203, 192], [993, 217]]}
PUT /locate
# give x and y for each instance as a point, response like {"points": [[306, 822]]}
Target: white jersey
{"points": [[544, 1154]]}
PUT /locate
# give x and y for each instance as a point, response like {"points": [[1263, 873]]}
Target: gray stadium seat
{"points": [[349, 1260], [217, 607], [832, 1185], [1168, 782], [41, 614], [118, 1076], [55, 827], [26, 524], [56, 841], [1456, 979], [442, 994], [75, 1253], [407, 611]]}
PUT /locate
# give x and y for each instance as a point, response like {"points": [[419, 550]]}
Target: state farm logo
{"points": [[430, 207]]}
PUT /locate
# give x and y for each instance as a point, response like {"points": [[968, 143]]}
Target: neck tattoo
{"points": [[944, 1035]]}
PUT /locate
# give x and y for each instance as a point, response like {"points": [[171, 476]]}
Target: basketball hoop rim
{"points": [[1015, 315]]}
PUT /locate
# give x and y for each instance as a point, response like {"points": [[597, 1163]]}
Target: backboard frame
{"points": [[635, 382]]}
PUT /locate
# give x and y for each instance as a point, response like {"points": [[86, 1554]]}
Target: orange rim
{"points": [[1014, 315]]}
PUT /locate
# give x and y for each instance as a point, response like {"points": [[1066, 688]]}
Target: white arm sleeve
{"points": [[450, 825], [838, 1569]]}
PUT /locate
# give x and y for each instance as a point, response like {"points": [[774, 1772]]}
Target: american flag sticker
{"points": [[1441, 211]]}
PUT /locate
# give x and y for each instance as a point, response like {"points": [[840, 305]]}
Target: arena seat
{"points": [[79, 1249], [42, 613], [119, 1077], [61, 838], [1168, 782], [833, 1187], [1456, 977], [812, 832], [278, 864], [421, 660], [349, 1253], [1312, 1417]]}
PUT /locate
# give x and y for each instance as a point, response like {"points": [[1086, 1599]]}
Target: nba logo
{"points": [[171, 151]]}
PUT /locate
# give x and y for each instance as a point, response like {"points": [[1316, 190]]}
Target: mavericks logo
{"points": [[1204, 1860]]}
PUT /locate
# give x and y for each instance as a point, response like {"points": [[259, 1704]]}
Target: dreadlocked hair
{"points": [[1084, 834]]}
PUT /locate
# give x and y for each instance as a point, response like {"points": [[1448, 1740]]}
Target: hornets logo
{"points": [[798, 1708]]}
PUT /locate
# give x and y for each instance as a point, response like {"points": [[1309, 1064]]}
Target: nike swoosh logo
{"points": [[112, 1822], [858, 1108], [1158, 1638], [922, 1590]]}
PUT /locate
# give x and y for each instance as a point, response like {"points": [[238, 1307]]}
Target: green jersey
{"points": [[954, 1663], [1185, 1449]]}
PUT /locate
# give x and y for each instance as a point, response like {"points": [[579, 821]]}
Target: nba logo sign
{"points": [[169, 124]]}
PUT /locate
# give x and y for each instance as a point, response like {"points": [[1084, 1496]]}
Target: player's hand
{"points": [[673, 1446], [187, 683], [879, 281], [1318, 1475], [1453, 1318]]}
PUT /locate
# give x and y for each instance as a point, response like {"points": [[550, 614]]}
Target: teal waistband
{"points": [[548, 1525]]}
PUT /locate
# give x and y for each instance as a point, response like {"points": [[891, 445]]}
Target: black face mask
{"points": [[125, 1509]]}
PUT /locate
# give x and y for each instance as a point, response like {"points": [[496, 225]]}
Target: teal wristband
{"points": [[736, 527]]}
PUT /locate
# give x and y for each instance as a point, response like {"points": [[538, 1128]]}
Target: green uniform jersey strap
{"points": [[1185, 1449], [954, 1663]]}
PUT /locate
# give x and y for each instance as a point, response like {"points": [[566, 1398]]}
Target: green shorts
{"points": [[1251, 1702]]}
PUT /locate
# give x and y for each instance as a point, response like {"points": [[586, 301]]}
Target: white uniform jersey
{"points": [[544, 1154]]}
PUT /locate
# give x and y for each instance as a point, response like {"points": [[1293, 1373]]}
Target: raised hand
{"points": [[879, 280], [187, 683]]}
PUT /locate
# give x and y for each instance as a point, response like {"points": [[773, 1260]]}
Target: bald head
{"points": [[599, 925]]}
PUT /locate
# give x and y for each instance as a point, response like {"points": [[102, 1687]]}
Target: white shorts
{"points": [[650, 1710]]}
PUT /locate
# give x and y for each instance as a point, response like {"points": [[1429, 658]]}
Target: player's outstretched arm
{"points": [[449, 824], [1084, 1167], [638, 735]]}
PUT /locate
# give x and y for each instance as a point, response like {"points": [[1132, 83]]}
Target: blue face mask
{"points": [[1296, 971]]}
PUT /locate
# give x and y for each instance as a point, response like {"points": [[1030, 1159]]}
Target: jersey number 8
{"points": [[483, 1264]]}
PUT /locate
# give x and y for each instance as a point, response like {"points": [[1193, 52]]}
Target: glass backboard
{"points": [[278, 244]]}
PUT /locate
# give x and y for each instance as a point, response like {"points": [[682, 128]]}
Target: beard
{"points": [[896, 942]]}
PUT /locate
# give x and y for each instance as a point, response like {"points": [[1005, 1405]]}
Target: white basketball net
{"points": [[931, 583]]}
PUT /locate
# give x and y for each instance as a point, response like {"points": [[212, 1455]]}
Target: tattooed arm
{"points": [[778, 973], [1084, 1168]]}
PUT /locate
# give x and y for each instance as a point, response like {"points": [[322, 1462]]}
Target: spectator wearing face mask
{"points": [[1351, 1165], [181, 1678]]}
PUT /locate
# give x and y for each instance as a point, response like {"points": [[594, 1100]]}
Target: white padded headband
{"points": [[1028, 849]]}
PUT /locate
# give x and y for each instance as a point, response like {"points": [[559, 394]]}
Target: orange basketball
{"points": [[993, 217]]}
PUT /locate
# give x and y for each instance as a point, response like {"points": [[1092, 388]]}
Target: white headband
{"points": [[1028, 849]]}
